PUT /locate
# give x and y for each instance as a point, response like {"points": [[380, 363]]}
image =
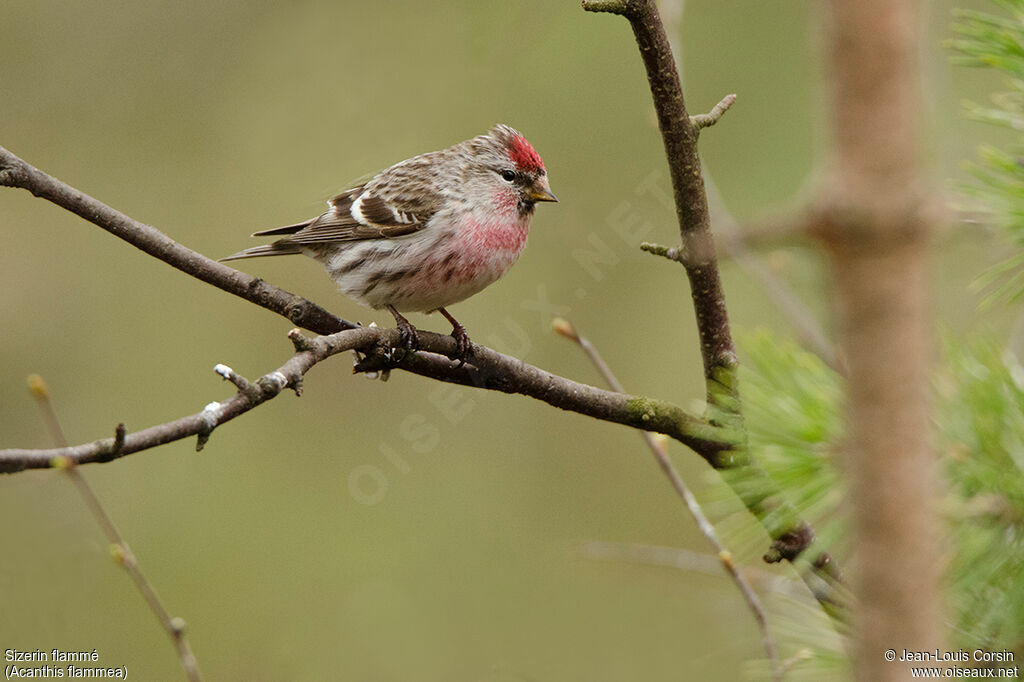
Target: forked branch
{"points": [[791, 535], [491, 370]]}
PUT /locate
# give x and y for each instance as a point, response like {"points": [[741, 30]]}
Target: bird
{"points": [[427, 232]]}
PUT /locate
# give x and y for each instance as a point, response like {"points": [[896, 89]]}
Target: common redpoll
{"points": [[427, 232]]}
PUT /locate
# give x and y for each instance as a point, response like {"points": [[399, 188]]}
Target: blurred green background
{"points": [[402, 530]]}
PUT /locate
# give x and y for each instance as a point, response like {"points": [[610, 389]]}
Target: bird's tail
{"points": [[287, 229], [278, 248]]}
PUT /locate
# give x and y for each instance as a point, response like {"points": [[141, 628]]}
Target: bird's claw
{"points": [[410, 339], [463, 344], [406, 332]]}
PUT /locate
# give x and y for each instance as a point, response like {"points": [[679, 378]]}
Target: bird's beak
{"points": [[541, 190]]}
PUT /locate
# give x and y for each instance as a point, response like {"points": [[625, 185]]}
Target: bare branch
{"points": [[491, 370], [199, 424], [41, 392], [671, 252], [711, 118], [240, 382], [611, 6], [119, 548], [660, 451], [300, 341], [119, 435], [680, 139]]}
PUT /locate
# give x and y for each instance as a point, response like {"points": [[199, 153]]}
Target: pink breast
{"points": [[488, 248]]}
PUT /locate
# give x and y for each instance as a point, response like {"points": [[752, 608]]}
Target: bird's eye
{"points": [[508, 175]]}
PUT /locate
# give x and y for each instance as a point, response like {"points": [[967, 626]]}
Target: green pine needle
{"points": [[997, 42]]}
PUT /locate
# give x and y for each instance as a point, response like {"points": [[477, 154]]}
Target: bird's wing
{"points": [[399, 201]]}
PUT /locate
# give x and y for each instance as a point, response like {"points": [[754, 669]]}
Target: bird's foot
{"points": [[410, 339], [463, 343], [406, 332]]}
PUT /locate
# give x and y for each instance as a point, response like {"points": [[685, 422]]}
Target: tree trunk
{"points": [[875, 223]]}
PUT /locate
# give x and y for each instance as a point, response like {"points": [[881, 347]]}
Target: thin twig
{"points": [[610, 6], [200, 424], [711, 118], [672, 253], [660, 450], [687, 560], [119, 548]]}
